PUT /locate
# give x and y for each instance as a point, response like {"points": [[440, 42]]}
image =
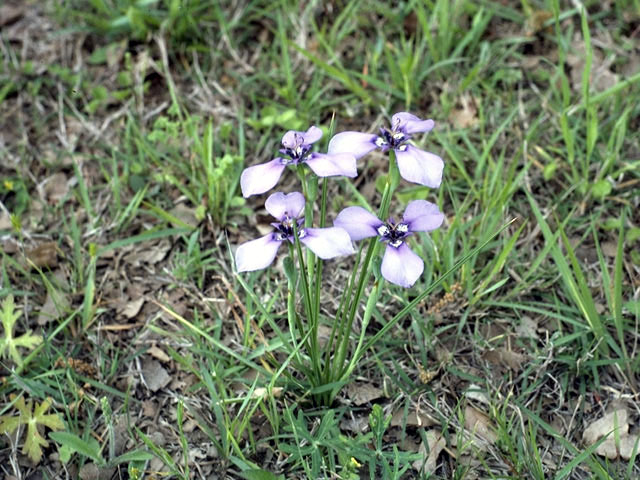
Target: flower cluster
{"points": [[288, 209], [400, 265]]}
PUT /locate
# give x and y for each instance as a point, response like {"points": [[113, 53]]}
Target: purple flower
{"points": [[415, 165], [287, 209], [399, 264], [296, 149]]}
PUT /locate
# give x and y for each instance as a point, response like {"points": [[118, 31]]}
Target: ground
{"points": [[139, 351]]}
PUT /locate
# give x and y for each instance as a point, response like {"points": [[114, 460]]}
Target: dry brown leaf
{"points": [[619, 442], [536, 21], [601, 77], [480, 424], [55, 306], [262, 392], [436, 443], [355, 424], [10, 13], [477, 393], [44, 255], [149, 408], [527, 328], [155, 376], [150, 254], [503, 357], [324, 333], [5, 221], [56, 188], [610, 249], [158, 353], [361, 393], [414, 419], [466, 116], [616, 419], [132, 308], [623, 449], [185, 215]]}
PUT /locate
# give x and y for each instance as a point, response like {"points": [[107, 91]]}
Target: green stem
{"points": [[306, 293], [390, 185]]}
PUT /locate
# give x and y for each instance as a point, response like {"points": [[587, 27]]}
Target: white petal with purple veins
{"points": [[401, 266], [358, 222], [409, 123], [261, 178], [356, 143], [312, 135], [257, 254], [281, 205], [422, 216], [418, 166], [324, 165], [327, 242]]}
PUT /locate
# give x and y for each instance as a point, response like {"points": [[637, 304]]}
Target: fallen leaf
{"points": [[436, 443], [262, 392], [536, 21], [56, 188], [355, 424], [132, 308], [324, 333], [466, 116], [616, 419], [11, 13], [158, 353], [55, 306], [44, 255], [601, 77], [185, 215], [527, 328], [155, 376], [480, 424], [610, 249], [5, 221], [150, 254], [149, 408], [477, 393], [361, 393], [503, 357], [414, 419], [623, 449]]}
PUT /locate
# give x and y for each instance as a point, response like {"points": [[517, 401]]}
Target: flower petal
{"points": [[327, 242], [324, 165], [281, 205], [422, 216], [356, 143], [418, 166], [261, 178], [358, 222], [257, 254], [312, 135], [401, 266], [409, 123]]}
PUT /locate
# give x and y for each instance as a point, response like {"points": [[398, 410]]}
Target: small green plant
{"points": [[9, 343], [138, 18], [34, 420], [211, 174]]}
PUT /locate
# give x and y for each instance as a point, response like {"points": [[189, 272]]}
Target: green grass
{"points": [[150, 132]]}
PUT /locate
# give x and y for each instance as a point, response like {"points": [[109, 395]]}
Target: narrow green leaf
{"points": [[88, 449]]}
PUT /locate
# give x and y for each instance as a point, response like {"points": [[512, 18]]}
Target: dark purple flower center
{"points": [[296, 153], [394, 138], [393, 233], [284, 229]]}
